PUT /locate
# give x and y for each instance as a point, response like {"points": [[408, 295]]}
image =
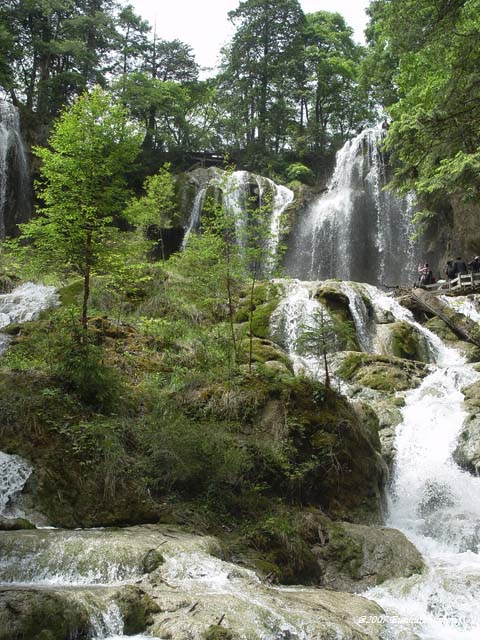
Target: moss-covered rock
{"points": [[337, 303], [382, 373], [28, 614], [353, 557], [407, 342], [467, 451], [216, 632], [264, 351], [264, 302], [137, 609]]}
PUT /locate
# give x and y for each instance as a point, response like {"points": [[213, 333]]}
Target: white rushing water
{"points": [[14, 473], [240, 192], [432, 501], [14, 177], [356, 230], [437, 506], [26, 302]]}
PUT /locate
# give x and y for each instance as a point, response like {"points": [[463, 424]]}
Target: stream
{"points": [[431, 500]]}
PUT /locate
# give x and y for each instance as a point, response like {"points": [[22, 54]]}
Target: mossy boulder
{"points": [[28, 614], [263, 304], [382, 373], [467, 451], [264, 351], [217, 632], [137, 609], [441, 329], [354, 557], [405, 341], [338, 305]]}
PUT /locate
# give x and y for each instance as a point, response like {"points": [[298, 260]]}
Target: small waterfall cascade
{"points": [[241, 192], [357, 230], [296, 310], [432, 501], [436, 505], [22, 305], [14, 175], [14, 473]]}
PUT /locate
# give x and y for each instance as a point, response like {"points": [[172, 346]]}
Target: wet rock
{"points": [[14, 524], [467, 451], [152, 560], [28, 614], [137, 609], [358, 557], [402, 340], [435, 496], [381, 373]]}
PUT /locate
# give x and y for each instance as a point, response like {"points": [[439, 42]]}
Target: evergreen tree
{"points": [[83, 187]]}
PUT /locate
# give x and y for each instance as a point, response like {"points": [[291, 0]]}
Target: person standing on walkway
{"points": [[474, 265], [461, 266]]}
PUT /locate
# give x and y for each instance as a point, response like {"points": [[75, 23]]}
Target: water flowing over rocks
{"points": [[185, 596], [238, 192], [15, 192]]}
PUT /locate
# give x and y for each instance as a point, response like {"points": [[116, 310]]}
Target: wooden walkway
{"points": [[461, 284]]}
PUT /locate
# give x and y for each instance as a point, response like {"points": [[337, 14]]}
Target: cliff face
{"points": [[455, 231]]}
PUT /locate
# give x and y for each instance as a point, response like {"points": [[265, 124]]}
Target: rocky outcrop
{"points": [[467, 452], [354, 557], [382, 373], [191, 594]]}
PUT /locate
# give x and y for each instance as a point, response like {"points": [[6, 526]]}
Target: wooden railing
{"points": [[461, 282]]}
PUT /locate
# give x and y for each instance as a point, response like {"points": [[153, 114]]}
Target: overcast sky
{"points": [[204, 24]]}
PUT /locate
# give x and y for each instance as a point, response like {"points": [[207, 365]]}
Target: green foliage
{"points": [[83, 187], [81, 368], [323, 335], [299, 171], [435, 132], [158, 205], [190, 456]]}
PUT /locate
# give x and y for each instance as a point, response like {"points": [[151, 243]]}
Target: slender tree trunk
{"points": [[86, 280], [250, 321], [327, 374], [230, 307]]}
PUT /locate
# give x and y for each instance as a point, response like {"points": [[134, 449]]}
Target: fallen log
{"points": [[462, 326]]}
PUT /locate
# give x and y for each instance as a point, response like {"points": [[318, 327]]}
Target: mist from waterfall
{"points": [[15, 196], [357, 230]]}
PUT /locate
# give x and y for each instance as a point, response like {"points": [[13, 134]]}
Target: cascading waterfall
{"points": [[357, 230], [432, 501], [237, 190], [14, 176]]}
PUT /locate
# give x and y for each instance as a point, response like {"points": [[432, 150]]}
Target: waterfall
{"points": [[240, 193], [432, 501], [357, 230], [14, 175]]}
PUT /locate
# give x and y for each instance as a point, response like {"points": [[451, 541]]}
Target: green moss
{"points": [[264, 351], [216, 632], [136, 608], [382, 373], [405, 342], [265, 301], [70, 294], [441, 328]]}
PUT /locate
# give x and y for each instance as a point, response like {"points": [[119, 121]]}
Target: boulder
{"points": [[467, 451], [354, 557], [39, 614], [382, 373]]}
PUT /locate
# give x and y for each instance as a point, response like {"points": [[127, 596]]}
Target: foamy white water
{"points": [[437, 506]]}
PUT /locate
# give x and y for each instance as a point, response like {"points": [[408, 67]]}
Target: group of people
{"points": [[459, 266], [453, 268]]}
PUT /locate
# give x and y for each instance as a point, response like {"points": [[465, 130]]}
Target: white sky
{"points": [[204, 24]]}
